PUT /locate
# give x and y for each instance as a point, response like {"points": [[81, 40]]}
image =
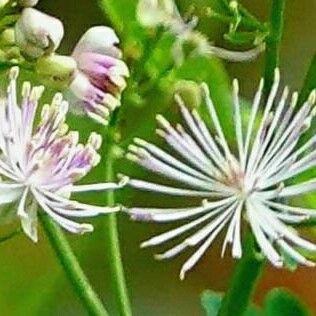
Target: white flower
{"points": [[100, 78], [40, 163], [248, 185], [153, 13], [37, 33]]}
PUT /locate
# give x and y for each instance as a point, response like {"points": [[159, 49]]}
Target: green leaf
{"points": [[240, 38], [280, 302], [160, 58], [211, 302], [121, 13]]}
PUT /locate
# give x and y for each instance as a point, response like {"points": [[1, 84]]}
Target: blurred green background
{"points": [[32, 281]]}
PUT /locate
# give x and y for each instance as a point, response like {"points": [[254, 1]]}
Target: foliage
{"points": [[278, 302]]}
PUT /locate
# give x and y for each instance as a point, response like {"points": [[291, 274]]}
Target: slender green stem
{"points": [[72, 268], [309, 82], [249, 267], [273, 42], [244, 280], [113, 245]]}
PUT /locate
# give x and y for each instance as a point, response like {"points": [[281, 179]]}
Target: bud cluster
{"points": [[94, 72]]}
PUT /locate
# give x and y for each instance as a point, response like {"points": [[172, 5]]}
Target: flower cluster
{"points": [[94, 73], [41, 160], [251, 184], [40, 163]]}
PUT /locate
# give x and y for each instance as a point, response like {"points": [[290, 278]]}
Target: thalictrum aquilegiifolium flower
{"points": [[253, 183], [40, 163]]}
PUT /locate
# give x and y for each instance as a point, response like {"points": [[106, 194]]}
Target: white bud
{"points": [[27, 3], [37, 33], [151, 13], [56, 70], [98, 39]]}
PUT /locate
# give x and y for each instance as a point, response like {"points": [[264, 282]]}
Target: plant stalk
{"points": [[113, 245], [309, 82], [244, 280], [71, 266], [273, 42]]}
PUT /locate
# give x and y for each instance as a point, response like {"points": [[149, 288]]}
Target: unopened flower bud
{"points": [[233, 4], [189, 91], [151, 13], [27, 3], [56, 70], [7, 37], [38, 33], [101, 74], [100, 40]]}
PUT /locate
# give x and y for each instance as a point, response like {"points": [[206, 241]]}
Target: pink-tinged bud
{"points": [[28, 3], [101, 73], [37, 33], [99, 39]]}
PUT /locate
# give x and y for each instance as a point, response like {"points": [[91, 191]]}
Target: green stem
{"points": [[248, 20], [309, 82], [249, 268], [243, 282], [72, 268], [273, 42], [113, 245]]}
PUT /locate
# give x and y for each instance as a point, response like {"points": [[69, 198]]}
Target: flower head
{"points": [[101, 73], [39, 164], [37, 33], [250, 185]]}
